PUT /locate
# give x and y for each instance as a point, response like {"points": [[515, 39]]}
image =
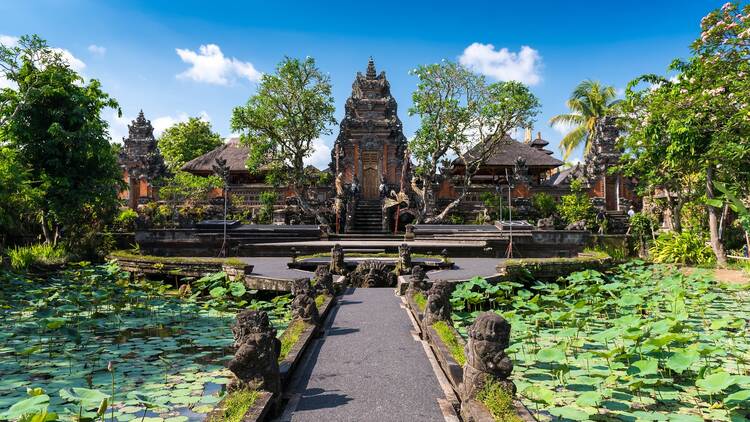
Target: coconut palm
{"points": [[589, 102]]}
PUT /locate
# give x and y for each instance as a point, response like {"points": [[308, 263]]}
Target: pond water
{"points": [[167, 353]]}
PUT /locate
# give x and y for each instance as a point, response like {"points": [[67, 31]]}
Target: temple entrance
{"points": [[370, 175], [611, 193]]}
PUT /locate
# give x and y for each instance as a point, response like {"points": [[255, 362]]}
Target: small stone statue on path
{"points": [[486, 360], [303, 304], [404, 258], [438, 303], [337, 260], [255, 363], [324, 280], [417, 280]]}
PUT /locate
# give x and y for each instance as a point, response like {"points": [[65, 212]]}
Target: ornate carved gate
{"points": [[370, 175]]}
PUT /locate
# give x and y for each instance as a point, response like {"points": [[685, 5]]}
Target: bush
{"points": [[544, 204], [684, 248], [576, 206], [125, 221], [267, 201], [23, 257], [495, 207]]}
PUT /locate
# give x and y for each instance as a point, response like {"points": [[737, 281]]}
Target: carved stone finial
{"points": [[438, 303], [255, 363], [404, 258], [337, 259], [371, 74], [324, 280], [303, 305], [486, 360], [417, 280]]}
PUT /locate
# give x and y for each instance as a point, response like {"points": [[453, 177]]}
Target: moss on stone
{"points": [[420, 300], [319, 300], [448, 337], [235, 262], [290, 337], [236, 404], [498, 402]]}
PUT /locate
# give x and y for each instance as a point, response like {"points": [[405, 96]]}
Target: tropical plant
{"points": [[184, 141], [544, 204], [576, 206], [125, 220], [588, 103], [40, 254], [267, 201], [684, 248]]}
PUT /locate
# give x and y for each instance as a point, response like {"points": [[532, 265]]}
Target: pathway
{"points": [[367, 367]]}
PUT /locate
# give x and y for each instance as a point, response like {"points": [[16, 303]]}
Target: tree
{"points": [[184, 141], [463, 117], [291, 108], [699, 121], [52, 119], [589, 102]]}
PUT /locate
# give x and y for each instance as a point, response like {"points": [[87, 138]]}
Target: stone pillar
{"points": [[255, 363], [404, 258], [486, 360], [337, 260]]}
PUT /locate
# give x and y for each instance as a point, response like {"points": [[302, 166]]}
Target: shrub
{"points": [[237, 403], [495, 207], [544, 204], [23, 257], [576, 206], [125, 221], [498, 402], [267, 201], [684, 248]]}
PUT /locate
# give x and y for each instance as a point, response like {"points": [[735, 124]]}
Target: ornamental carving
{"points": [[486, 359], [255, 363]]}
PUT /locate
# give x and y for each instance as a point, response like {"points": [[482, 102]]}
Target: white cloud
{"points": [[502, 64], [97, 49], [563, 128], [321, 158], [8, 40], [118, 126], [209, 65]]}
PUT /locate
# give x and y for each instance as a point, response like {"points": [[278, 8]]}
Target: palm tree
{"points": [[589, 102]]}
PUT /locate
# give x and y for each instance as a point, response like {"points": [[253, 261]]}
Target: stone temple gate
{"points": [[371, 144]]}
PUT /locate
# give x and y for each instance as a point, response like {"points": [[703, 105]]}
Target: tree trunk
{"points": [[440, 217], [45, 228], [713, 221]]}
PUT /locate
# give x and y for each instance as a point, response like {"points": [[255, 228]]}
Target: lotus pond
{"points": [[88, 342], [642, 343]]}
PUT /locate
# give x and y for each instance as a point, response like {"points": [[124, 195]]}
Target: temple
{"points": [[371, 143], [141, 162]]}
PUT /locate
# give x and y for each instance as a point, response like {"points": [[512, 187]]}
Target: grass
{"points": [[448, 337], [177, 259], [237, 404], [44, 254], [499, 402], [420, 300], [290, 337]]}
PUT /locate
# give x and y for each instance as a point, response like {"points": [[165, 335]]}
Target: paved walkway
{"points": [[367, 366], [466, 268]]}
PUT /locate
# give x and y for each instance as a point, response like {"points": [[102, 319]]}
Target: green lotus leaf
{"points": [[740, 398], [681, 361], [86, 397], [716, 382], [681, 417], [31, 405], [644, 367], [551, 354], [589, 398], [569, 412], [539, 394]]}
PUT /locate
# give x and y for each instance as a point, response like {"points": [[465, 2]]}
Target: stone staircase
{"points": [[618, 222], [368, 217]]}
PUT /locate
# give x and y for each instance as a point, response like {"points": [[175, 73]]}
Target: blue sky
{"points": [[149, 54]]}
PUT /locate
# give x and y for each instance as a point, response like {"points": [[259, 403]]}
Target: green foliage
{"points": [[267, 200], [184, 141], [125, 221], [236, 404], [684, 248], [420, 301], [456, 219], [17, 194], [54, 117], [544, 204], [598, 345], [495, 207], [589, 102], [292, 107], [40, 254], [499, 402], [448, 337], [576, 206], [186, 188]]}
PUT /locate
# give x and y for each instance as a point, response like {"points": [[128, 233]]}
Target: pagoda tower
{"points": [[141, 161], [371, 142]]}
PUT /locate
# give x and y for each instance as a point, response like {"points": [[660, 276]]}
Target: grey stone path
{"points": [[366, 367], [466, 268]]}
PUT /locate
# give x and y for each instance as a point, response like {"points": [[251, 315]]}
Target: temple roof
{"points": [[232, 151], [565, 176], [508, 152]]}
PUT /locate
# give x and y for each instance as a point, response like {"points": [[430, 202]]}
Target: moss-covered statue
{"points": [[255, 363]]}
